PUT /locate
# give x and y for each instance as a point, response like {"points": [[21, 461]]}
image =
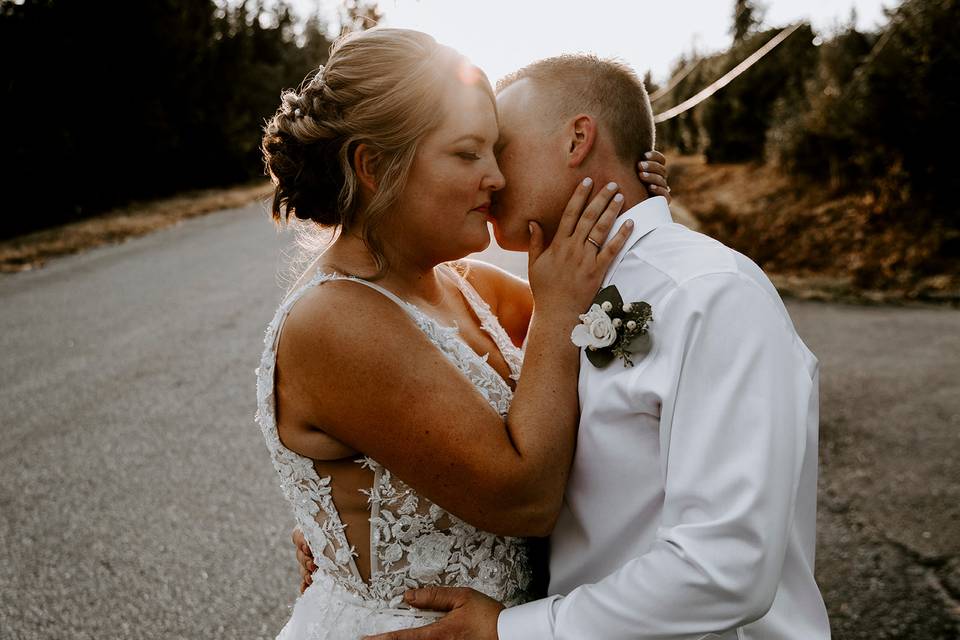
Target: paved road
{"points": [[137, 500]]}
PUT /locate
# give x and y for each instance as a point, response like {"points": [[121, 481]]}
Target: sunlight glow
{"points": [[502, 35]]}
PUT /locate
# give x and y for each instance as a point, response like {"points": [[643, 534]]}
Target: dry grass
{"points": [[814, 243], [32, 250]]}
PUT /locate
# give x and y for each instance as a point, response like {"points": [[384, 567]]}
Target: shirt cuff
{"points": [[530, 621]]}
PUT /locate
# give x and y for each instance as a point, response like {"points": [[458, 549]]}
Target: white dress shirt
{"points": [[691, 507]]}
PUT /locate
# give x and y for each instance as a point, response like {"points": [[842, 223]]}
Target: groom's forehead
{"points": [[518, 101], [515, 91]]}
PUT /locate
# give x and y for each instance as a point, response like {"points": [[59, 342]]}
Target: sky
{"points": [[503, 35]]}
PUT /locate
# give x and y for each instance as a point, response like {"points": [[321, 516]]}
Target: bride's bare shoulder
{"points": [[339, 304], [333, 330]]}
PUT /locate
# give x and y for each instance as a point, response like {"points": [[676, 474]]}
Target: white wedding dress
{"points": [[412, 542]]}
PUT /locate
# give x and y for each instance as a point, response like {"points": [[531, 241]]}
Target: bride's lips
{"points": [[484, 209]]}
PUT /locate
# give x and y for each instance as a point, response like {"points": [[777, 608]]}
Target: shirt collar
{"points": [[647, 216]]}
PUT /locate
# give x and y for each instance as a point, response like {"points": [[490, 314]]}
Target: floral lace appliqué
{"points": [[413, 542]]}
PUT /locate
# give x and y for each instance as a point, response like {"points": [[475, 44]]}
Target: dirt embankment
{"points": [[814, 243]]}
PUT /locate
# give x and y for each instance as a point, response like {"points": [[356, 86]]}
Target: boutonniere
{"points": [[611, 328]]}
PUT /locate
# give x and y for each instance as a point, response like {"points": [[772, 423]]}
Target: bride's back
{"points": [[370, 532], [344, 151]]}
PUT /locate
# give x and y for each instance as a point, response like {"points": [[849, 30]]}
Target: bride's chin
{"points": [[466, 247], [480, 246], [482, 240]]}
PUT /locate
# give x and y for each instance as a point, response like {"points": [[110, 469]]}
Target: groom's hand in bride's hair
{"points": [[304, 559], [472, 615], [652, 171]]}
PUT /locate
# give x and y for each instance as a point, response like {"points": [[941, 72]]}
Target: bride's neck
{"points": [[409, 276]]}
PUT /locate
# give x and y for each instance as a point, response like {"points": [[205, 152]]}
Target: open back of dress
{"points": [[412, 542]]}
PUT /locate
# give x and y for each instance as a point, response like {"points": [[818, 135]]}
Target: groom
{"points": [[691, 507]]}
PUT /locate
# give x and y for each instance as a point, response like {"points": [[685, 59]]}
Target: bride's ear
{"points": [[582, 134], [365, 165]]}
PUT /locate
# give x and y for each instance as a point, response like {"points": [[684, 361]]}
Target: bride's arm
{"points": [[361, 371]]}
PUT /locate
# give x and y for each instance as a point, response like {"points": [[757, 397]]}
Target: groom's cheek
{"points": [[511, 237], [549, 231]]}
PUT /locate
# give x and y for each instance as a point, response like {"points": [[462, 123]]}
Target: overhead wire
{"points": [[728, 77]]}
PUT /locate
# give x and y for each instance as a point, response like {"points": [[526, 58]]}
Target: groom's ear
{"points": [[582, 133]]}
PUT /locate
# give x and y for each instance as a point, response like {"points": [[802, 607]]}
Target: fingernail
{"points": [[530, 227], [612, 186], [648, 154], [618, 197], [587, 182], [645, 174], [645, 165], [628, 224]]}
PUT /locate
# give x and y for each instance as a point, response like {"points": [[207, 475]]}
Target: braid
{"points": [[379, 88]]}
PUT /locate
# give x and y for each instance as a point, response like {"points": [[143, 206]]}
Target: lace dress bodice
{"points": [[413, 542]]}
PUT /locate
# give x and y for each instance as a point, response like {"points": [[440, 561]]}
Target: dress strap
{"points": [[490, 323], [410, 308], [400, 301]]}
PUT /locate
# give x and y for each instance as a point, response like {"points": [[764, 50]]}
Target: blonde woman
{"points": [[389, 391]]}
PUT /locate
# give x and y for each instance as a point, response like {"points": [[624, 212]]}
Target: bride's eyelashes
{"points": [[469, 155]]}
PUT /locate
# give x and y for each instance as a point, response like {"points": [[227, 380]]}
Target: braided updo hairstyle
{"points": [[384, 88]]}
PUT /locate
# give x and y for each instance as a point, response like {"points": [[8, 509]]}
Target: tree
{"points": [[747, 16], [359, 15], [94, 116]]}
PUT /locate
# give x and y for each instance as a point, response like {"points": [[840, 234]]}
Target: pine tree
{"points": [[747, 16]]}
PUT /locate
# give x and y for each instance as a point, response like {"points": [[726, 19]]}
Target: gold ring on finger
{"points": [[593, 242]]}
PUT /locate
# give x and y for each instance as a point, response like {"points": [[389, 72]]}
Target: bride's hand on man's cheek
{"points": [[652, 172]]}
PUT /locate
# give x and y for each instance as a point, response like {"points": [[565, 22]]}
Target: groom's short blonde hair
{"points": [[607, 89]]}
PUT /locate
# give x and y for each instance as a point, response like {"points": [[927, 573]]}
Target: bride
{"points": [[389, 390]]}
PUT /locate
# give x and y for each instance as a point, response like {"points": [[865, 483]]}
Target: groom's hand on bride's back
{"points": [[472, 615], [304, 559]]}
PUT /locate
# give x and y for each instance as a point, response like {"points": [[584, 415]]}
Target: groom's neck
{"points": [[634, 192]]}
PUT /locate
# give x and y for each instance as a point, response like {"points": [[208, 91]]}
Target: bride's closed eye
{"points": [[469, 155]]}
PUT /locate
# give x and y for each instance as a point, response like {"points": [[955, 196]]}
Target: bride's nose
{"points": [[493, 180]]}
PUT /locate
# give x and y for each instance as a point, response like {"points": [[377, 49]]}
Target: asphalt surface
{"points": [[137, 499]]}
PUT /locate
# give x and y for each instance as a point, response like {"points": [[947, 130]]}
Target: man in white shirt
{"points": [[691, 507]]}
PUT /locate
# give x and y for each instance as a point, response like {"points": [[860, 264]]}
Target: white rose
{"points": [[393, 553], [489, 579], [595, 329], [428, 556]]}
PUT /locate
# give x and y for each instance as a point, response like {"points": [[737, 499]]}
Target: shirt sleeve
{"points": [[733, 433]]}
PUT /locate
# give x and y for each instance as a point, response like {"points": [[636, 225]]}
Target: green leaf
{"points": [[611, 295], [640, 345], [599, 359]]}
